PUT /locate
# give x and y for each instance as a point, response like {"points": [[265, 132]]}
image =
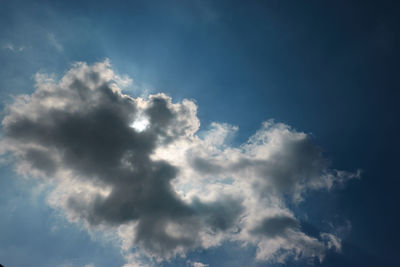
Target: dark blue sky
{"points": [[329, 68]]}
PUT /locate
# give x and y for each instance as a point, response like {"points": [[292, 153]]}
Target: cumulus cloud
{"points": [[136, 166]]}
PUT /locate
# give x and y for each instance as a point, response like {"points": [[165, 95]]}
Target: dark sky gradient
{"points": [[329, 68]]}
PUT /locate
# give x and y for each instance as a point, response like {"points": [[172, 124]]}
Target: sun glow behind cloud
{"points": [[140, 124], [163, 189]]}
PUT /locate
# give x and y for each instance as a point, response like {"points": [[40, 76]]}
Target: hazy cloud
{"points": [[137, 167], [54, 42], [13, 48]]}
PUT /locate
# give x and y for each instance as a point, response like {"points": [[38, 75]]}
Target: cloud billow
{"points": [[161, 187]]}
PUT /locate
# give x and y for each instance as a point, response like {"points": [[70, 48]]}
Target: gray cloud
{"points": [[163, 189], [276, 226]]}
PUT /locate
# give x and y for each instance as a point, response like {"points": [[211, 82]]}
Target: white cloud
{"points": [[163, 189], [198, 264]]}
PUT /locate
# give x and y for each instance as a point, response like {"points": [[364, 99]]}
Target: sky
{"points": [[199, 133]]}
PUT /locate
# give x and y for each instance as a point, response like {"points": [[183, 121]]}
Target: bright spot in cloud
{"points": [[140, 124]]}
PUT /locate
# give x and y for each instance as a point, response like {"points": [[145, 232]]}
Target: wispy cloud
{"points": [[163, 189], [13, 48], [53, 42]]}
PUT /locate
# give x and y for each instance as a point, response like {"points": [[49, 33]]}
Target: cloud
{"points": [[198, 264], [13, 48], [163, 189], [53, 42]]}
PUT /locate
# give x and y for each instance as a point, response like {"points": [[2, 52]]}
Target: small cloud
{"points": [[197, 264], [53, 42], [13, 48]]}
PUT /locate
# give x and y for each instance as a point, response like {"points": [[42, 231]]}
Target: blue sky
{"points": [[326, 69]]}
